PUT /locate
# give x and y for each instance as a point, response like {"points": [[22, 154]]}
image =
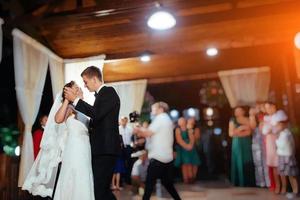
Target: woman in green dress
{"points": [[186, 154], [242, 171]]}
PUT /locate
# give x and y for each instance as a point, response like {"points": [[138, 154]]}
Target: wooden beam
{"points": [[188, 64], [154, 81]]}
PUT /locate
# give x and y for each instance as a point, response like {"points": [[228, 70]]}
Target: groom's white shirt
{"points": [[77, 99]]}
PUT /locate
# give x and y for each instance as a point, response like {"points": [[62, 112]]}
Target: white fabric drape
{"points": [[1, 38], [246, 86], [74, 67], [56, 66], [131, 94], [30, 64]]}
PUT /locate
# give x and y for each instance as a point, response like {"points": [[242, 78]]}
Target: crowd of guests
{"points": [[263, 149], [262, 153]]}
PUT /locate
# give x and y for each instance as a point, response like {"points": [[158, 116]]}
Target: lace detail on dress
{"points": [[41, 178]]}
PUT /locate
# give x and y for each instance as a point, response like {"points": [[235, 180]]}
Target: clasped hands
{"points": [[72, 93]]}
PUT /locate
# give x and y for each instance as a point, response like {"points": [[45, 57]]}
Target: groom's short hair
{"points": [[92, 71]]}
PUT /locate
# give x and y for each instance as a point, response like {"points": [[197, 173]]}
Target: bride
{"points": [[65, 140]]}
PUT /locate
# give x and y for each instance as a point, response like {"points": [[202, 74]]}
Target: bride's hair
{"points": [[70, 84]]}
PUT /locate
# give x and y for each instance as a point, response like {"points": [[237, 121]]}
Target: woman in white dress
{"points": [[65, 139]]}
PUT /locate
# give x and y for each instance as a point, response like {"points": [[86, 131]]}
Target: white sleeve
{"points": [[75, 101], [155, 125], [282, 141]]}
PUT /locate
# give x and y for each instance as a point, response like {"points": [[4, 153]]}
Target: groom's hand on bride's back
{"points": [[70, 94]]}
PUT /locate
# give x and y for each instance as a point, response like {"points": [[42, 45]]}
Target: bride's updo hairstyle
{"points": [[70, 84]]}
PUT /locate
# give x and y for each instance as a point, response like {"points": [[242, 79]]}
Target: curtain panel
{"points": [[30, 64], [131, 94], [246, 86]]}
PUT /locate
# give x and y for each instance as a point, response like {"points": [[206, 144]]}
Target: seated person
{"points": [[139, 171]]}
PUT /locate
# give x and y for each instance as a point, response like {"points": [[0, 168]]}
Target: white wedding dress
{"points": [[75, 181], [69, 144]]}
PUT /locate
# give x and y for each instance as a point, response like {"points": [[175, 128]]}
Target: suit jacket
{"points": [[104, 126]]}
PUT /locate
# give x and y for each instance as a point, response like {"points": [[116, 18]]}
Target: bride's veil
{"points": [[41, 178]]}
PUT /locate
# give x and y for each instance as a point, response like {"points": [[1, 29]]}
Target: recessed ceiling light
{"points": [[145, 58], [161, 20], [212, 51]]}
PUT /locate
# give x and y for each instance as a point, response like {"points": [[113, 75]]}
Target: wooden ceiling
{"points": [[247, 32]]}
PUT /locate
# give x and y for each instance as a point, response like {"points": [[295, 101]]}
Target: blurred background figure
{"points": [[242, 173], [258, 147], [119, 169], [139, 172], [38, 135], [192, 126], [186, 154], [271, 135], [126, 132], [287, 164]]}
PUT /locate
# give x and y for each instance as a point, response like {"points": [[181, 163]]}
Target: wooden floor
{"points": [[215, 190]]}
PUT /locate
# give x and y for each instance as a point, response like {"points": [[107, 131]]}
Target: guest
{"points": [[139, 172], [207, 152], [119, 169], [287, 164], [38, 135], [191, 126], [186, 154], [160, 150], [271, 134], [126, 132], [258, 150], [241, 157]]}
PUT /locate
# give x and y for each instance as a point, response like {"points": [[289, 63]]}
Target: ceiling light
{"points": [[174, 114], [212, 52], [161, 20], [297, 40], [191, 112], [209, 112], [145, 58]]}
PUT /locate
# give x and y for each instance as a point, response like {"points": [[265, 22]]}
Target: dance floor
{"points": [[208, 191]]}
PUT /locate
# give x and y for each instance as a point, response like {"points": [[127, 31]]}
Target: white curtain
{"points": [[131, 94], [74, 67], [246, 86], [30, 64], [56, 66], [1, 38]]}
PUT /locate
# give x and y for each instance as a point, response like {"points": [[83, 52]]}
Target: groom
{"points": [[104, 131]]}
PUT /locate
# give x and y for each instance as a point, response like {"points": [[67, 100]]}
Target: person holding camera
{"points": [[160, 150]]}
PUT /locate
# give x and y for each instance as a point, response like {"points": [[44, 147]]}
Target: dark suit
{"points": [[104, 138]]}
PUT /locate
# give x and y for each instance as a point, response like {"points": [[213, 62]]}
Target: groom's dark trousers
{"points": [[103, 167], [104, 138]]}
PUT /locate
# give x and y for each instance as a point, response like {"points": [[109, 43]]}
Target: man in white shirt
{"points": [[160, 150], [126, 133]]}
